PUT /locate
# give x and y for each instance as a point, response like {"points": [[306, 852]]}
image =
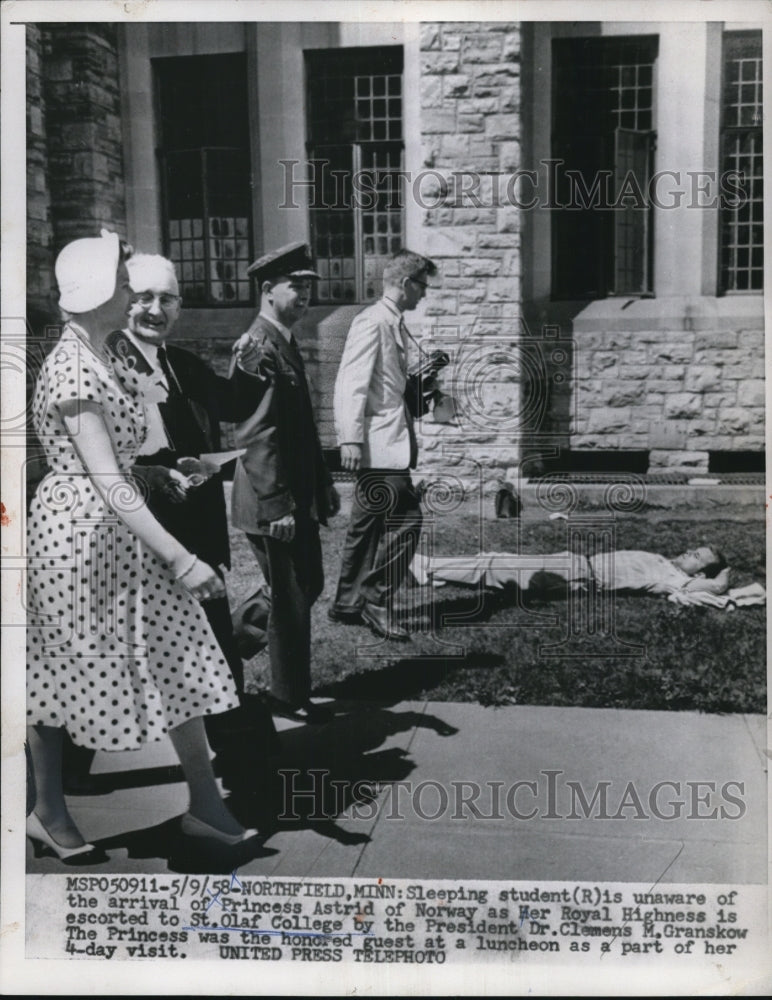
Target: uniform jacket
{"points": [[283, 470], [193, 426], [370, 389]]}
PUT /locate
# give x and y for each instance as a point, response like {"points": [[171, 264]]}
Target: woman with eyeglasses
{"points": [[119, 650]]}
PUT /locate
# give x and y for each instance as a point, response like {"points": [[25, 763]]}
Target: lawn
{"points": [[494, 648]]}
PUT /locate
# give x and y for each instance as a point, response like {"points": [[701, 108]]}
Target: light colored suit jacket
{"points": [[369, 396]]}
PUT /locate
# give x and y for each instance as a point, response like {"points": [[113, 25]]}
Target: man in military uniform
{"points": [[282, 489]]}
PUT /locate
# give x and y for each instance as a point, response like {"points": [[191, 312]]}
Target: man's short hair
{"points": [[407, 264], [715, 567], [141, 265]]}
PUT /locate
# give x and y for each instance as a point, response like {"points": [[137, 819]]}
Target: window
{"points": [[355, 149], [603, 115], [205, 172], [742, 226]]}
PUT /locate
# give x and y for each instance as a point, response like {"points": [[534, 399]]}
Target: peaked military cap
{"points": [[294, 260]]}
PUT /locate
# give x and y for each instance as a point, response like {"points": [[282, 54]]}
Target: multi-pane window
{"points": [[355, 151], [603, 114], [205, 171], [742, 225]]}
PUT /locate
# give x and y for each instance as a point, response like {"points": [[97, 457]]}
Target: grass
{"points": [[659, 656]]}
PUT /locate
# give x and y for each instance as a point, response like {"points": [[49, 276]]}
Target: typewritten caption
{"points": [[240, 917]]}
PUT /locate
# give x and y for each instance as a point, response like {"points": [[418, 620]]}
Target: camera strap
{"points": [[410, 335]]}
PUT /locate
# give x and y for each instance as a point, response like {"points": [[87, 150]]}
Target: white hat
{"points": [[86, 271]]}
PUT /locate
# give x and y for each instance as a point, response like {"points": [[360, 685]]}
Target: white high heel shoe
{"points": [[194, 827], [43, 843]]}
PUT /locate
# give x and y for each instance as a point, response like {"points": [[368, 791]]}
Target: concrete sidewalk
{"points": [[403, 802]]}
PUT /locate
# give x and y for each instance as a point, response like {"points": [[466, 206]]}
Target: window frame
{"points": [[730, 39], [644, 49], [159, 67], [377, 59]]}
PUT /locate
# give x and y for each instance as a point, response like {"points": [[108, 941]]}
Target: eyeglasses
{"points": [[166, 301]]}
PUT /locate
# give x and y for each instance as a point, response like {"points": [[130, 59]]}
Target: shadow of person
{"points": [[188, 855], [325, 774], [114, 781], [406, 678], [456, 605]]}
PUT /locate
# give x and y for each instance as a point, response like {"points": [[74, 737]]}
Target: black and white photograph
{"points": [[385, 508]]}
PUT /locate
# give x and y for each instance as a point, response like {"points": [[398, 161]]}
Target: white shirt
{"points": [[634, 570]]}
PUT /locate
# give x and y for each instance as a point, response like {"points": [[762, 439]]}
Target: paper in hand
{"points": [[221, 458]]}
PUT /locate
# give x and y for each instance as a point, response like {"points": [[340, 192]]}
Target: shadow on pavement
{"points": [[325, 772], [321, 777], [185, 854]]}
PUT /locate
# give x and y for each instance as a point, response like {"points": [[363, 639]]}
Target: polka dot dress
{"points": [[117, 651]]}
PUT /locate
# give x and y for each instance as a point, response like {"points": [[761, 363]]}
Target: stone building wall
{"points": [[676, 394], [678, 385], [83, 130], [40, 256], [75, 182], [470, 138]]}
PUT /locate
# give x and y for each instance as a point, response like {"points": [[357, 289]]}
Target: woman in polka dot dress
{"points": [[119, 650]]}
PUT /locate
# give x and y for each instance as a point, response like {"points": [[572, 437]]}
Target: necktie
{"points": [[408, 417], [166, 368], [182, 426], [295, 350], [403, 331]]}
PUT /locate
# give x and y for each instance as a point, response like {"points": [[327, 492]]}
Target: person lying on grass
{"points": [[701, 569]]}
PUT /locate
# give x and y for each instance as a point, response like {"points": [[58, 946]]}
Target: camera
{"points": [[431, 365], [420, 390]]}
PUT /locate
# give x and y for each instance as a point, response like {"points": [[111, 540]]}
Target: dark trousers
{"points": [[252, 721], [381, 541], [218, 615], [294, 573]]}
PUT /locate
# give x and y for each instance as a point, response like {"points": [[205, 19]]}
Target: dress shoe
{"points": [[192, 826], [352, 617], [382, 623], [309, 712], [43, 843]]}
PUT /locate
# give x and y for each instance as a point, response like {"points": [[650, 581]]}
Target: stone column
{"points": [[470, 131], [85, 159], [40, 257]]}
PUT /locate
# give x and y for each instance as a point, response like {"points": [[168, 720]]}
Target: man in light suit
{"points": [[375, 432], [282, 489]]}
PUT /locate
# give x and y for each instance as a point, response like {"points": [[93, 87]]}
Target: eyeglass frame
{"points": [[423, 284], [166, 300]]}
